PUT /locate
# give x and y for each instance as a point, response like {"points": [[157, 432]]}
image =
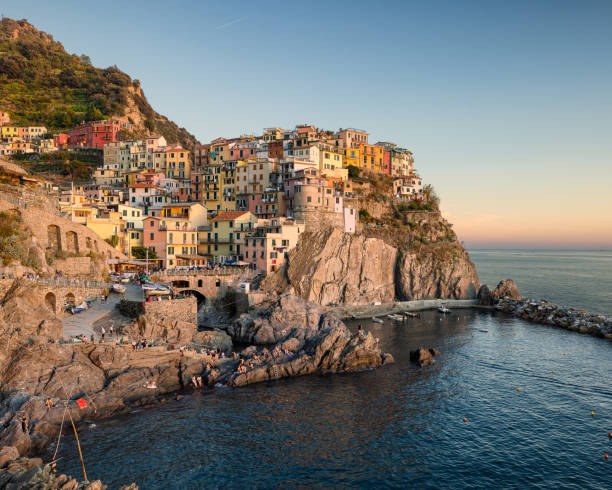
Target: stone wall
{"points": [[185, 309], [56, 236], [74, 266]]}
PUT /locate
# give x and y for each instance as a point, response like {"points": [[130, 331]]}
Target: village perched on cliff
{"points": [[241, 200]]}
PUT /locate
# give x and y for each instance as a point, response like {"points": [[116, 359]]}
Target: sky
{"points": [[507, 106]]}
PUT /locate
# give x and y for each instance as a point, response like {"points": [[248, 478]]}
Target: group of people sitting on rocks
{"points": [[196, 381], [141, 344]]}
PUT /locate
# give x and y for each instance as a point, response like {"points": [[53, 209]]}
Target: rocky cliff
{"points": [[400, 251], [332, 267]]}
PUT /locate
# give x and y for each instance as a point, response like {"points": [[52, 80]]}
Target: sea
{"points": [[508, 404], [582, 279]]}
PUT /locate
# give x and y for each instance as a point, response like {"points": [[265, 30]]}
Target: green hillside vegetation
{"points": [[40, 83]]}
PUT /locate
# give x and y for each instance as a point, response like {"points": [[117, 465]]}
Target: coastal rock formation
{"points": [[335, 267], [329, 266], [548, 313], [215, 339], [16, 472], [427, 276], [506, 288], [308, 340], [23, 314], [424, 357], [333, 349], [484, 296], [108, 376], [287, 316], [164, 328]]}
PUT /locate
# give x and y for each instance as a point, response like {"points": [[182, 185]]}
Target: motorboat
{"points": [[377, 320], [395, 317], [118, 288], [443, 309]]}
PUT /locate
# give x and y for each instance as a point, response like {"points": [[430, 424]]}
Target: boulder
{"points": [[213, 339], [506, 289], [422, 357], [8, 454], [161, 328], [484, 296]]}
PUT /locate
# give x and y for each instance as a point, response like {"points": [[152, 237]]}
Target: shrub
{"points": [[353, 171]]}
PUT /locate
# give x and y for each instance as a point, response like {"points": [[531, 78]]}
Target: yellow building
{"points": [[219, 151], [225, 239], [352, 156], [178, 163], [228, 188], [107, 225], [194, 213], [9, 133], [211, 188]]}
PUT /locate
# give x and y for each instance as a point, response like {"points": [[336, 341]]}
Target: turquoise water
{"points": [[582, 279], [399, 426]]}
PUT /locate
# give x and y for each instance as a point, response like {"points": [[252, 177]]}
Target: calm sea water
{"points": [[582, 279], [398, 426]]}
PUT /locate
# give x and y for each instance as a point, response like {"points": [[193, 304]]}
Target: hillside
{"points": [[40, 83]]}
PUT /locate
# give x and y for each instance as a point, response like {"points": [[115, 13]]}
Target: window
{"points": [[152, 236], [309, 199]]}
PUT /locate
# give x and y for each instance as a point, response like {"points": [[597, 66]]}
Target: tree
{"points": [[353, 171], [141, 252], [113, 241], [85, 59], [430, 195], [93, 113]]}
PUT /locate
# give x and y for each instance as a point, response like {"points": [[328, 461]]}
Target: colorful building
{"points": [[267, 248], [95, 134], [225, 240]]}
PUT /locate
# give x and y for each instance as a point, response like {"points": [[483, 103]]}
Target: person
{"points": [[199, 380], [24, 423], [103, 333], [111, 330], [194, 381]]}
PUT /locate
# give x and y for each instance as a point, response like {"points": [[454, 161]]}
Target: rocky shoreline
{"points": [[41, 378], [547, 313]]}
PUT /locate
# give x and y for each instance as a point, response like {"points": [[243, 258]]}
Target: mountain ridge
{"points": [[42, 84]]}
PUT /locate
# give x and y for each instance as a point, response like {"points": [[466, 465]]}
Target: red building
{"points": [[60, 140], [95, 134]]}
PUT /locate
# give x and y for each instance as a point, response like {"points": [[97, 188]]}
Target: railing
{"points": [[217, 271]]}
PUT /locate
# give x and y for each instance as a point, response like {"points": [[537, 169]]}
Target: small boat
{"points": [[79, 308], [377, 320], [125, 280], [118, 288], [443, 309], [397, 318], [411, 314]]}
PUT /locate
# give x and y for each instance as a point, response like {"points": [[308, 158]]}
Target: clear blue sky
{"points": [[507, 106]]}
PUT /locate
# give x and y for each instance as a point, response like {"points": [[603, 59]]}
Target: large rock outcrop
{"points": [[307, 340], [506, 288], [332, 267], [23, 314], [286, 316]]}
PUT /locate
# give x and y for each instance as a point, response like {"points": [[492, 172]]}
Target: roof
{"points": [[229, 215]]}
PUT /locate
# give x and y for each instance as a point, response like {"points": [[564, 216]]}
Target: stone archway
{"points": [[72, 242], [50, 302], [54, 238], [198, 295], [70, 298]]}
